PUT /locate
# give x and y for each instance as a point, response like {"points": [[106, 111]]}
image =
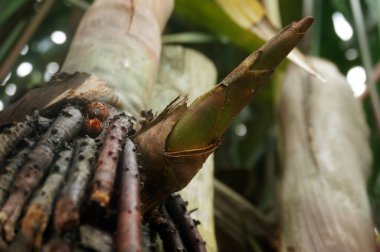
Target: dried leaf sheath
{"points": [[105, 172], [37, 216], [65, 127], [61, 89], [160, 181], [66, 214], [129, 219]]}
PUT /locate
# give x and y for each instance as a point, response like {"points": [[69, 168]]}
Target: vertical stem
{"points": [[11, 38], [307, 10], [366, 58], [378, 18], [80, 4], [312, 42], [120, 40]]}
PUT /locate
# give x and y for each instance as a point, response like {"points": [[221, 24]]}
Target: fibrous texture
{"points": [[327, 159]]}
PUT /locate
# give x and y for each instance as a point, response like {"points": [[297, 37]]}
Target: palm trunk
{"points": [[119, 41], [117, 44], [327, 160]]}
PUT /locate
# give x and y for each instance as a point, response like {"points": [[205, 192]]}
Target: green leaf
{"points": [[248, 18], [11, 39], [211, 17], [8, 8]]}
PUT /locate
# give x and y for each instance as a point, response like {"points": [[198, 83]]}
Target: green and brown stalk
{"points": [[184, 71], [211, 114], [185, 137], [65, 127]]}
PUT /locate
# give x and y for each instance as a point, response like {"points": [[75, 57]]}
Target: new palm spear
{"points": [[184, 137]]}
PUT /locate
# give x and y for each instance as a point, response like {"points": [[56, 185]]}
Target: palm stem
{"points": [[366, 59], [25, 37]]}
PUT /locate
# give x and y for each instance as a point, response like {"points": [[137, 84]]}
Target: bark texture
{"points": [[129, 219], [327, 159], [11, 136], [66, 213], [129, 62], [63, 129], [105, 172], [11, 169], [39, 210]]}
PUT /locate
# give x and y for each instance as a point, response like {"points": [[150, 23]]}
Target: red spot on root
{"points": [[93, 127]]}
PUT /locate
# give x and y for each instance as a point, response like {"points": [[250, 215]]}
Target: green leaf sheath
{"points": [[209, 116]]}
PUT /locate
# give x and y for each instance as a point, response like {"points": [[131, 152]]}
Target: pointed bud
{"points": [[175, 145], [209, 116]]}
